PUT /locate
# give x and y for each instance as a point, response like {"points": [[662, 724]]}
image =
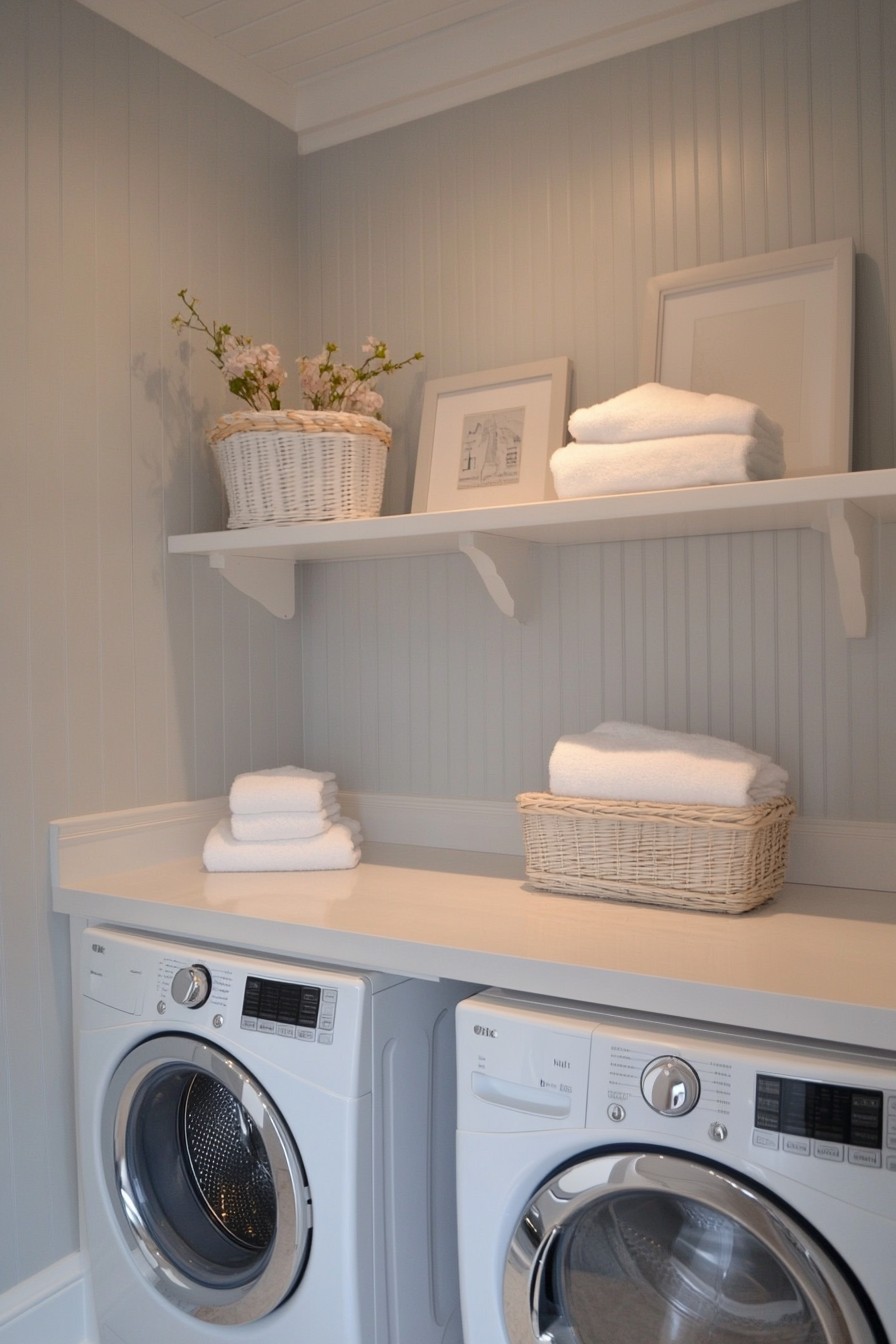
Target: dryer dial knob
{"points": [[191, 986], [670, 1086]]}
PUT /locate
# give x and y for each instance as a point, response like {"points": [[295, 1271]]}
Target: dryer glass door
{"points": [[646, 1246], [206, 1180]]}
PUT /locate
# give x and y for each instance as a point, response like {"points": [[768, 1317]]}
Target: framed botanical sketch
{"points": [[487, 438], [775, 329]]}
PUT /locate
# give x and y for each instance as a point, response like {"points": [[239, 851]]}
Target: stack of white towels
{"points": [[283, 820], [658, 438], [631, 762]]}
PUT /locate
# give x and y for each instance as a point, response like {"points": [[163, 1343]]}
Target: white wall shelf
{"points": [[260, 560]]}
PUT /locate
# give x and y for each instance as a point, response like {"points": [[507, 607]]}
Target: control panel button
{"points": [[792, 1143], [863, 1157], [829, 1152], [766, 1138]]}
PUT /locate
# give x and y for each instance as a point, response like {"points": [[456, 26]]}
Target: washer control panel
{"points": [[285, 1008]]}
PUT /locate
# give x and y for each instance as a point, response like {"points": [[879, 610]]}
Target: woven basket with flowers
{"points": [[277, 465]]}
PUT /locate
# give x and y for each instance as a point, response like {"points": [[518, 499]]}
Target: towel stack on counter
{"points": [[630, 762], [283, 820], [658, 438]]}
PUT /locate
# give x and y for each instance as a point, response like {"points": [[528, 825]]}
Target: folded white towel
{"points": [[286, 788], [632, 762], [653, 411], [663, 464], [339, 847], [283, 825]]}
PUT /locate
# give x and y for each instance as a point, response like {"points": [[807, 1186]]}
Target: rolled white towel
{"points": [[339, 847], [252, 826], [654, 411], [582, 469], [632, 762], [286, 788]]}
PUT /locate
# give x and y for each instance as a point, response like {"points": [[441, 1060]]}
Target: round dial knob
{"points": [[670, 1086], [191, 986]]}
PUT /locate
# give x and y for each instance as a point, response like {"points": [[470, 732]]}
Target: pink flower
{"points": [[363, 400]]}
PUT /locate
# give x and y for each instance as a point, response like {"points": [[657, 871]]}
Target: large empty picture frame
{"points": [[487, 438], [775, 329]]}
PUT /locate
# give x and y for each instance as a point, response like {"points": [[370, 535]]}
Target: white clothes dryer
{"points": [[629, 1180], [266, 1149]]}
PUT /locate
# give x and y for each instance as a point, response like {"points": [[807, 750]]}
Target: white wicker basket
{"points": [[300, 466], [697, 857]]}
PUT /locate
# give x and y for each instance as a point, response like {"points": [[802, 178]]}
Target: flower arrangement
{"points": [[254, 372], [328, 385]]}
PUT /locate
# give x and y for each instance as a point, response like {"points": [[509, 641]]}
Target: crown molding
{"points": [[492, 54], [481, 56]]}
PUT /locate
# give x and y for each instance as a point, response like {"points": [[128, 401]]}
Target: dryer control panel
{"points": [[825, 1120]]}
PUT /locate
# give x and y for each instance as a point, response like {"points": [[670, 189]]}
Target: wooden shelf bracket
{"points": [[505, 566], [270, 581]]}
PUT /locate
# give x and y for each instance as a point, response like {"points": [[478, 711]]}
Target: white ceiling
{"points": [[333, 70]]}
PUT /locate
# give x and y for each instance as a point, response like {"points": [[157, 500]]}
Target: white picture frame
{"points": [[775, 329], [487, 438]]}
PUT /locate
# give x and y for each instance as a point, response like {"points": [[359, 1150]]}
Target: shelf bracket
{"points": [[851, 536], [270, 581], [504, 564]]}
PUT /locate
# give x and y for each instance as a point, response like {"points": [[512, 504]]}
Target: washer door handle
{"points": [[553, 1331]]}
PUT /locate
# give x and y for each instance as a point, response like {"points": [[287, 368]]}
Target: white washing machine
{"points": [[266, 1149], [627, 1180]]}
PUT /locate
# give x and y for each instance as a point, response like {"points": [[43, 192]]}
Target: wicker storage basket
{"points": [[698, 857], [300, 466]]}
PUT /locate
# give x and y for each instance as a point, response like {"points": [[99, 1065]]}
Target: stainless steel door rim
{"points": [[660, 1224], [206, 1180]]}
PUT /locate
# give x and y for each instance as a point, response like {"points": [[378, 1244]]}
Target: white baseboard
{"points": [[823, 852], [48, 1308]]}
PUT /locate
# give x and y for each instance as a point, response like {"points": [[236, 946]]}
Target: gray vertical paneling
{"points": [[738, 637], [541, 213], [508, 230], [127, 677], [36, 1063], [16, 862]]}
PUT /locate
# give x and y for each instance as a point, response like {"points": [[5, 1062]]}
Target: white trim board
{"points": [[823, 852], [50, 1306]]}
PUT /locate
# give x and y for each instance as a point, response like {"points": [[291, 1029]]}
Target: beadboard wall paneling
{"points": [[420, 686], [128, 677], [527, 224]]}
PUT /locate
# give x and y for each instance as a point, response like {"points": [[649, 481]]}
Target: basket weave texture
{"points": [[698, 857], [300, 466]]}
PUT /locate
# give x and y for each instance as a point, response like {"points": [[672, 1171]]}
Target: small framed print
{"points": [[487, 438]]}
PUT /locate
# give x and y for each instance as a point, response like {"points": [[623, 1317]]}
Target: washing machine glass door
{"points": [[205, 1179], [655, 1247]]}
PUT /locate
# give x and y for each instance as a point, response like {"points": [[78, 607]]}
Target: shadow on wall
{"points": [[186, 508], [873, 364]]}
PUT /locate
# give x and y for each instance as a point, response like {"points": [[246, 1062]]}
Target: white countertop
{"points": [[817, 961]]}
